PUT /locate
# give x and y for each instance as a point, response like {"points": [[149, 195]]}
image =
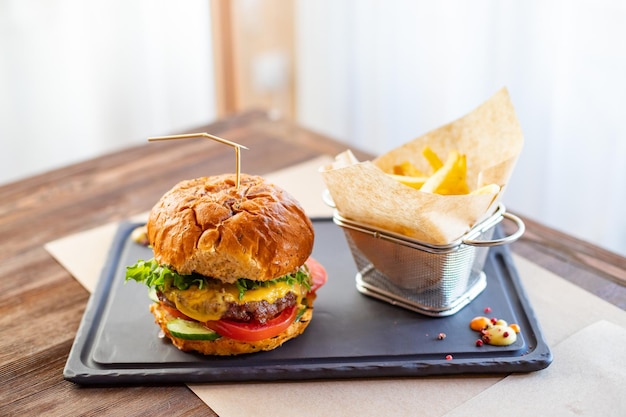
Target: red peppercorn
{"points": [[448, 357], [494, 320], [479, 343], [487, 309], [505, 334]]}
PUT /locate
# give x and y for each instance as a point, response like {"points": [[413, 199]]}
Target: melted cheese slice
{"points": [[210, 302]]}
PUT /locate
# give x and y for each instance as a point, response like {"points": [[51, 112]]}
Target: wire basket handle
{"points": [[521, 228]]}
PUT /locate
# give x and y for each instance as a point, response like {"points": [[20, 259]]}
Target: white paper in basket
{"points": [[489, 137]]}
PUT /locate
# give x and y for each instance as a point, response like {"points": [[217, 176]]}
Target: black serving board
{"points": [[351, 335]]}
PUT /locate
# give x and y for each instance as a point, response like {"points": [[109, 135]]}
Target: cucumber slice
{"points": [[190, 330]]}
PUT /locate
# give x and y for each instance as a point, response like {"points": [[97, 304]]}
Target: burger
{"points": [[232, 271]]}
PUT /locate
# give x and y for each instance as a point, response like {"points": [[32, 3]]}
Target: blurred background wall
{"points": [[97, 76], [80, 78]]}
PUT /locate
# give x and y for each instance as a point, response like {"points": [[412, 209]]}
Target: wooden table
{"points": [[41, 305]]}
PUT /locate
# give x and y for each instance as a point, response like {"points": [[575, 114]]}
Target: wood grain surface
{"points": [[41, 305]]}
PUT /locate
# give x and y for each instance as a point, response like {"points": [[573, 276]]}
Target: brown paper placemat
{"points": [[587, 378]]}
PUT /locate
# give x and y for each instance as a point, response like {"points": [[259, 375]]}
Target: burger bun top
{"points": [[209, 226]]}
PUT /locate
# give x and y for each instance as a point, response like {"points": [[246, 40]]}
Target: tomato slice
{"points": [[318, 274], [253, 332], [175, 312]]}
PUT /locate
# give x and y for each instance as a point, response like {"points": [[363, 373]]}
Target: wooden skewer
{"points": [[235, 145]]}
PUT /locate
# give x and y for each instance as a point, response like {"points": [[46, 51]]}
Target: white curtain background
{"points": [[377, 74], [81, 78]]}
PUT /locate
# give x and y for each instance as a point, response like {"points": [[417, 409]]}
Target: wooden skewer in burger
{"points": [[232, 271]]}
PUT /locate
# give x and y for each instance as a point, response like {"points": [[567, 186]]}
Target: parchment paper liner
{"points": [[490, 137]]}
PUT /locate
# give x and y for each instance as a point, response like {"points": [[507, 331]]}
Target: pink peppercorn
{"points": [[479, 343], [448, 357], [487, 309]]}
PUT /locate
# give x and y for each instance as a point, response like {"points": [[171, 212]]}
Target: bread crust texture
{"points": [[225, 346], [209, 226]]}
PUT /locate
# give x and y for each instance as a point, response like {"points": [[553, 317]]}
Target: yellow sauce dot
{"points": [[499, 335]]}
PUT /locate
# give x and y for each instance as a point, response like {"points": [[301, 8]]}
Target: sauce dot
{"points": [[499, 335], [494, 331], [479, 323]]}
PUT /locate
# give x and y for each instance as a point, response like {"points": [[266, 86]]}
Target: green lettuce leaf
{"points": [[301, 276], [160, 276]]}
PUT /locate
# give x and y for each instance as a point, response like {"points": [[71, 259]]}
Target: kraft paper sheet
{"points": [[489, 137]]}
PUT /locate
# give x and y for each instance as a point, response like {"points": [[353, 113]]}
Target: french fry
{"points": [[432, 158], [487, 189], [406, 168], [450, 179], [412, 181]]}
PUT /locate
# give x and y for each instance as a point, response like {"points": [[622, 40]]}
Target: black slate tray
{"points": [[351, 335]]}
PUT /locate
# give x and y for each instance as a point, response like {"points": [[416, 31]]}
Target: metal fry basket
{"points": [[435, 280]]}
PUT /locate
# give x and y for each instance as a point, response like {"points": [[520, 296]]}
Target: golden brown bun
{"points": [[206, 225], [225, 346]]}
